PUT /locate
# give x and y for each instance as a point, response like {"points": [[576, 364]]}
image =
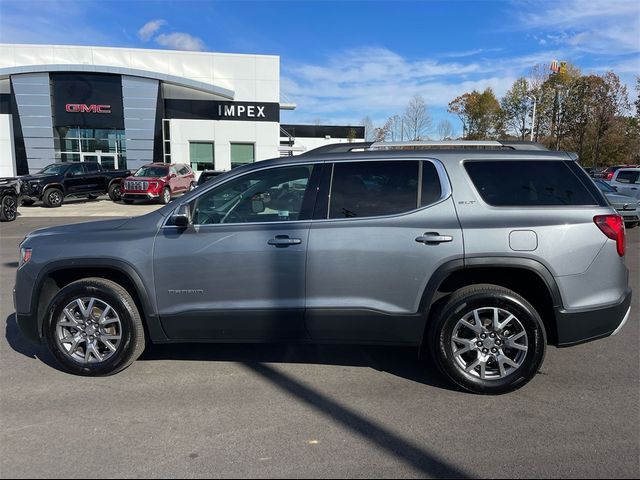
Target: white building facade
{"points": [[128, 107]]}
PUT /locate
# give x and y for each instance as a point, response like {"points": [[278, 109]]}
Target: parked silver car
{"points": [[626, 205], [481, 253]]}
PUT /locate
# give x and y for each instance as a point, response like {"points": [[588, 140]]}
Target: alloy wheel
{"points": [[9, 208], [489, 343], [88, 330]]}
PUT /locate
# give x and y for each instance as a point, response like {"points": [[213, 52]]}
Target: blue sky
{"points": [[341, 61]]}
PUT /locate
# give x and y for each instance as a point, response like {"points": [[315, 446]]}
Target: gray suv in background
{"points": [[482, 253]]}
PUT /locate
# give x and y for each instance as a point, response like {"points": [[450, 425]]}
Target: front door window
{"points": [[272, 195]]}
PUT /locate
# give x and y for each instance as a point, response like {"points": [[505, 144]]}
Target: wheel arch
{"points": [[59, 274], [59, 186], [527, 277]]}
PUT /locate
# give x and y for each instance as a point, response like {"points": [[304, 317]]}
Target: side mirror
{"points": [[182, 216], [257, 206]]}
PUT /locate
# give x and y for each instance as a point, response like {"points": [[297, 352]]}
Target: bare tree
{"points": [[416, 119], [445, 130], [369, 129]]}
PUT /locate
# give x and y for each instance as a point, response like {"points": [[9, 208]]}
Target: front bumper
{"points": [[139, 195], [575, 327]]}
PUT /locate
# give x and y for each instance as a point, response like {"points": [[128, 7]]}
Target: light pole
{"points": [[533, 115]]}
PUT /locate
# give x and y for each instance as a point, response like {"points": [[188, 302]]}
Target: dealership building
{"points": [[125, 107]]}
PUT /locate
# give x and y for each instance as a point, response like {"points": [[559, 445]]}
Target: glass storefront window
{"points": [[72, 144], [241, 154], [202, 156]]}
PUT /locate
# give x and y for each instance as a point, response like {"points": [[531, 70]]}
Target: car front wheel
{"points": [[165, 196], [487, 339], [94, 328], [53, 197], [8, 208]]}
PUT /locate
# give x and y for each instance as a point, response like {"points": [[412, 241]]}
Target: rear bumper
{"points": [[575, 327]]}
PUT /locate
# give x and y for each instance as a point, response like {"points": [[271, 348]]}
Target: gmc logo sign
{"points": [[82, 108]]}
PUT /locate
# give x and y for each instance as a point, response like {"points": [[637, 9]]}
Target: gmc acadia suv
{"points": [[481, 253]]}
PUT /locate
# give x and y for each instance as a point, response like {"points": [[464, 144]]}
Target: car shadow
{"points": [[402, 362], [23, 346]]}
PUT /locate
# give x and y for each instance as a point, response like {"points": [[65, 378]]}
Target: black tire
{"points": [[165, 197], [192, 186], [53, 197], [465, 301], [27, 202], [8, 208], [132, 343], [127, 201], [114, 192]]}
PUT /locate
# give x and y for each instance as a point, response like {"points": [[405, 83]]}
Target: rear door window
{"points": [[371, 189], [531, 183], [628, 176]]}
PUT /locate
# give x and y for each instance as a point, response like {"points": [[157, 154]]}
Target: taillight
{"points": [[609, 176], [613, 227]]}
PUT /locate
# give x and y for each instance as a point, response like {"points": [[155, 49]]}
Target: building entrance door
{"points": [[109, 161]]}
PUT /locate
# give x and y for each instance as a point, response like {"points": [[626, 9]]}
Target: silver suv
{"points": [[482, 253]]}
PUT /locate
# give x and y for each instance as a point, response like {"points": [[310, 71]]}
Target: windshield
{"points": [[152, 172], [605, 187], [54, 169]]}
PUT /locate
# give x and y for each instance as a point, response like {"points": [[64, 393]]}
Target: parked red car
{"points": [[159, 181]]}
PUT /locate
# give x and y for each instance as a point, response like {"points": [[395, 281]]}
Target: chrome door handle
{"points": [[284, 241], [434, 237]]}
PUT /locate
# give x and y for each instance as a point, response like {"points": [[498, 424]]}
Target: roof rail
{"points": [[430, 144], [340, 148], [417, 145]]}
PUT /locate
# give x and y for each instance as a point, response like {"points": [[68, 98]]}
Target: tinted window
{"points": [[54, 169], [272, 195], [152, 172], [91, 167], [183, 170], [528, 183], [370, 189], [431, 188], [628, 176], [75, 170]]}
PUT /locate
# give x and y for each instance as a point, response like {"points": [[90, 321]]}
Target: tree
{"points": [[445, 130], [416, 119], [369, 129], [516, 106], [480, 114]]}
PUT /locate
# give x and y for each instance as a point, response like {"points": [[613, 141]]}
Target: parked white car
{"points": [[627, 181]]}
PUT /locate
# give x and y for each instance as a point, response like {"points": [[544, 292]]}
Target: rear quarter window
{"points": [[532, 183]]}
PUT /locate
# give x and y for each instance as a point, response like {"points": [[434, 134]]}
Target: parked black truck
{"points": [[57, 181], [9, 188]]}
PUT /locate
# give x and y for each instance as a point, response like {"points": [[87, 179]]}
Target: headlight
{"points": [[25, 256]]}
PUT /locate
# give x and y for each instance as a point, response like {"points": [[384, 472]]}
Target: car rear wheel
{"points": [[487, 339], [53, 197], [192, 186], [165, 197], [94, 328], [8, 208], [114, 192]]}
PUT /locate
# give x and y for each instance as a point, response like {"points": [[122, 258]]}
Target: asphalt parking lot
{"points": [[309, 411]]}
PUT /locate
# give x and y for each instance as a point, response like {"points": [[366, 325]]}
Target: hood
{"points": [[145, 179], [36, 176], [98, 226]]}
